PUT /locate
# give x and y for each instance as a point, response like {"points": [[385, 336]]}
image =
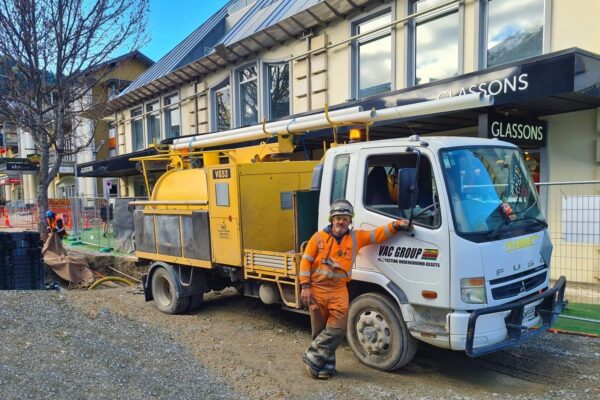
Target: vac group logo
{"points": [[409, 255]]}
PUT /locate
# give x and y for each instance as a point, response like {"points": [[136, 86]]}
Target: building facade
{"points": [[266, 60], [112, 76]]}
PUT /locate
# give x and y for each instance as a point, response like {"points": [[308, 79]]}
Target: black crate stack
{"points": [[21, 263]]}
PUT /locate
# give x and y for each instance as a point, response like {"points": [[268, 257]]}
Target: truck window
{"points": [[380, 191], [340, 177]]}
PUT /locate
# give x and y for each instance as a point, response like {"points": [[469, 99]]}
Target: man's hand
{"points": [[306, 296], [402, 225]]}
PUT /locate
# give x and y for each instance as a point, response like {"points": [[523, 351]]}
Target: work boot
{"points": [[320, 355], [310, 367], [324, 374], [330, 365]]}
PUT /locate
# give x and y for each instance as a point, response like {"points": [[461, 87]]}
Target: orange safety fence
{"points": [[24, 217]]}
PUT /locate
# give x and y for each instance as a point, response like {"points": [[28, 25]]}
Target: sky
{"points": [[171, 21]]}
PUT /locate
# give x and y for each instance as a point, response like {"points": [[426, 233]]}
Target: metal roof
{"points": [[266, 24], [172, 59]]}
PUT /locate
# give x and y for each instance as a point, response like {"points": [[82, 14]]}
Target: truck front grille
{"points": [[515, 288]]}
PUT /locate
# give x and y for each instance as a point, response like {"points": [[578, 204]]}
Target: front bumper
{"points": [[551, 304]]}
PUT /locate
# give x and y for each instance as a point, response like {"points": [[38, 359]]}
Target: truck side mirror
{"points": [[407, 186]]}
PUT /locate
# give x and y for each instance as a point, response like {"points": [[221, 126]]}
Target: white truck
{"points": [[473, 275]]}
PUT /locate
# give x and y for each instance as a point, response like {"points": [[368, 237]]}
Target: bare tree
{"points": [[52, 53]]}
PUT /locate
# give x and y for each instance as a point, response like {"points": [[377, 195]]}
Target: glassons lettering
{"points": [[516, 131], [511, 84]]}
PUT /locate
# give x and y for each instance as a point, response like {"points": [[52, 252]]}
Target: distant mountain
{"points": [[521, 45]]}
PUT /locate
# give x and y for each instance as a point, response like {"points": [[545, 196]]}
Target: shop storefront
{"points": [[548, 105], [120, 171], [12, 174]]}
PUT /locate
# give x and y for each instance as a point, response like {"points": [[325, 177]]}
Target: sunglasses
{"points": [[341, 218]]}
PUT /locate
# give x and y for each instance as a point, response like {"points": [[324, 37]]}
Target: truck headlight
{"points": [[472, 290]]}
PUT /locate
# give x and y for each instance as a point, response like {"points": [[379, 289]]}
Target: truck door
{"points": [[415, 262]]}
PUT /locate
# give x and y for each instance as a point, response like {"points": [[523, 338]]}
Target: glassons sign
{"points": [[511, 84], [520, 131]]}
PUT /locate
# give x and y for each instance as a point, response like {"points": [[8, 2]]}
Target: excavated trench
{"points": [[105, 265]]}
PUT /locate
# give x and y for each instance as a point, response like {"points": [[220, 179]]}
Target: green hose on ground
{"points": [[110, 279]]}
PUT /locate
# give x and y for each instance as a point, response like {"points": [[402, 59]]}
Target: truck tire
{"points": [[196, 302], [377, 333], [166, 294]]}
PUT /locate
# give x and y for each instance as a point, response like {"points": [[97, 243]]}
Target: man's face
{"points": [[340, 224]]}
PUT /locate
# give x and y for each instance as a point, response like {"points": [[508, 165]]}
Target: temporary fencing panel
{"points": [[573, 213]]}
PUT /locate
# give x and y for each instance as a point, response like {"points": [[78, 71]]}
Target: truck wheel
{"points": [[196, 302], [166, 296], [377, 334]]}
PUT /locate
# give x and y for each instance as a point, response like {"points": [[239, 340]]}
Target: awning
{"points": [[114, 167]]}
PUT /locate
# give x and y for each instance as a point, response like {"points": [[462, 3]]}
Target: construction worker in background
{"points": [[325, 270], [55, 224]]}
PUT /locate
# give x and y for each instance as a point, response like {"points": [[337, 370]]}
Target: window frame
{"points": [[169, 108], [377, 12], [213, 103], [437, 221], [267, 89], [482, 34], [237, 114], [412, 24], [147, 114], [347, 159], [133, 120]]}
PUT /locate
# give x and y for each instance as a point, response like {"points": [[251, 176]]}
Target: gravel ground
{"points": [[110, 343], [52, 350]]}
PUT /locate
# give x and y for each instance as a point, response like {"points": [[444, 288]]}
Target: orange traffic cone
{"points": [[6, 220], [86, 223]]}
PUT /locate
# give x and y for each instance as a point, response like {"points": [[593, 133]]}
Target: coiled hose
{"points": [[110, 279]]}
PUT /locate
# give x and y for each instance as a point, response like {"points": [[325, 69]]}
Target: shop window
{"points": [[222, 106], [532, 161], [153, 122], [172, 116], [380, 194], [435, 39], [372, 66], [248, 92], [278, 89], [137, 129], [340, 177], [506, 36]]}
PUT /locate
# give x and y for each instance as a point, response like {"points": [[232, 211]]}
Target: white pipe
{"points": [[400, 112], [435, 106], [275, 126]]}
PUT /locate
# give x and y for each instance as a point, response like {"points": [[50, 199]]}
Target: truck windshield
{"points": [[491, 192]]}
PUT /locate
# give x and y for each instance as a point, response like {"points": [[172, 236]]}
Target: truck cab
{"points": [[473, 274]]}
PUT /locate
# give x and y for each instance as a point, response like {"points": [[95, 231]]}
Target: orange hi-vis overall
{"points": [[327, 267], [56, 225]]}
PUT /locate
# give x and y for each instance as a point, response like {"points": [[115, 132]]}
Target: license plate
{"points": [[529, 313]]}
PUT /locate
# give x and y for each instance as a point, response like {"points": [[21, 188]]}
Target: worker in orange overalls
{"points": [[55, 224], [325, 270]]}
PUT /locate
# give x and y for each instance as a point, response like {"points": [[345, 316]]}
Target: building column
{"points": [[123, 187], [51, 190], [597, 172]]}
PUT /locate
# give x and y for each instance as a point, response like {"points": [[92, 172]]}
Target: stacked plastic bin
{"points": [[21, 264]]}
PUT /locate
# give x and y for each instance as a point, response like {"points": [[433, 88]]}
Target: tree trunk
{"points": [[42, 199]]}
